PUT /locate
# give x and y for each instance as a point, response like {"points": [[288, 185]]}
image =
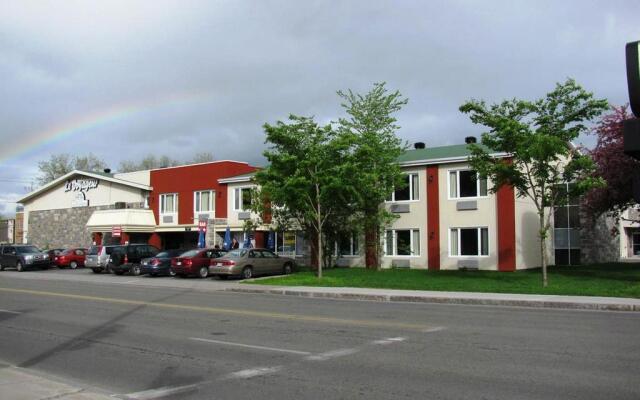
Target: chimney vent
{"points": [[419, 145], [470, 139], [107, 170]]}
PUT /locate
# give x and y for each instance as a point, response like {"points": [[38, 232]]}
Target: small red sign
{"points": [[116, 231]]}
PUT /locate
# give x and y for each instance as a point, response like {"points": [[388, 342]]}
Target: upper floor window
{"points": [[411, 191], [169, 203], [203, 201], [242, 199], [466, 183]]}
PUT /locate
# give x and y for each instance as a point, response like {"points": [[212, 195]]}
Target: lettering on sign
{"points": [[80, 185]]}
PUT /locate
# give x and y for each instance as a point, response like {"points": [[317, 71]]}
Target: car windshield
{"points": [[190, 253], [66, 252], [94, 250], [27, 249], [235, 253]]}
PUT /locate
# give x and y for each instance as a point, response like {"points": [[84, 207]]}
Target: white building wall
{"points": [[140, 177]]}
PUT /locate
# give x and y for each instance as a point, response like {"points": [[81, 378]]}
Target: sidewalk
{"points": [[418, 296], [20, 384]]}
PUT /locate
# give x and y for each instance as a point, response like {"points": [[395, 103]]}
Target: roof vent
{"points": [[470, 139], [419, 145], [107, 170]]}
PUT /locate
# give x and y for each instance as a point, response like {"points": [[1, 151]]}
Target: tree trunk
{"points": [[371, 246], [543, 249]]}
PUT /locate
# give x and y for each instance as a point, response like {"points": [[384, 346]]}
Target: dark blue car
{"points": [[160, 264]]}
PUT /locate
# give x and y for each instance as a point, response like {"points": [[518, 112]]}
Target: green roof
{"points": [[434, 153]]}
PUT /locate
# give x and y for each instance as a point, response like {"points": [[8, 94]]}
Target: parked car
{"points": [[72, 258], [97, 258], [53, 253], [248, 263], [21, 257], [194, 262], [127, 257], [160, 264]]}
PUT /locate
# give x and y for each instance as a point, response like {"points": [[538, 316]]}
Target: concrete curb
{"points": [[464, 298]]}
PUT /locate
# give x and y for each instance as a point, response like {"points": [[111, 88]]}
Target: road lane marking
{"points": [[159, 392], [389, 340], [251, 346], [332, 354], [229, 311], [434, 329], [253, 372], [10, 312]]}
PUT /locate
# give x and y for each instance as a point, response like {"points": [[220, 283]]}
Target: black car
{"points": [[127, 258], [160, 264], [22, 256]]}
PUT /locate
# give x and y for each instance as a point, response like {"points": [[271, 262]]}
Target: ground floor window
{"points": [[285, 243], [402, 242], [469, 242], [347, 245]]}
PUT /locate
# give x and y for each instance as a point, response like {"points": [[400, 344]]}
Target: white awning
{"points": [[130, 220]]}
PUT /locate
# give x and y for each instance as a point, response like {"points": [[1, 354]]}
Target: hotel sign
{"points": [[81, 185]]}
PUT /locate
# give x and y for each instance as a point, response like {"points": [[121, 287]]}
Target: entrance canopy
{"points": [[130, 220]]}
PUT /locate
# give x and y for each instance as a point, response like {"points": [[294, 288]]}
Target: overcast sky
{"points": [[123, 79]]}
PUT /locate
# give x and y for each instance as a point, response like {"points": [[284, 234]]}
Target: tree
{"points": [[617, 168], [370, 129], [304, 181], [537, 138], [202, 158], [61, 164], [148, 162]]}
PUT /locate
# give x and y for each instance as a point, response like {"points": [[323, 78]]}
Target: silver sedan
{"points": [[248, 263]]}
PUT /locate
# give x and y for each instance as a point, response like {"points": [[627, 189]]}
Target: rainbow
{"points": [[34, 143]]}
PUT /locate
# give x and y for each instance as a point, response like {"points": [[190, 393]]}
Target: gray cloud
{"points": [[256, 62]]}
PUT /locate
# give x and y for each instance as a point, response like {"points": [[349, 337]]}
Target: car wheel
{"points": [[96, 270], [171, 273], [247, 273], [73, 265], [287, 269], [203, 272], [135, 270], [19, 266]]}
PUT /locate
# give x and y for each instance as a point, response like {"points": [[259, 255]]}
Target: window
{"points": [[409, 192], [168, 203], [466, 183], [348, 245], [402, 242], [469, 242], [566, 230], [242, 199], [286, 243], [203, 201]]}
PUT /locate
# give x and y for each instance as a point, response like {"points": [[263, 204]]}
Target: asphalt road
{"points": [[142, 342]]}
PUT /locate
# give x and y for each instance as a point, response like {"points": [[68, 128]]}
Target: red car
{"points": [[72, 258], [194, 262]]}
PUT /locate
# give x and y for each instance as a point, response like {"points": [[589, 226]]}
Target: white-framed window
{"points": [[242, 199], [465, 183], [402, 242], [169, 203], [469, 242], [203, 201], [348, 245], [411, 192]]}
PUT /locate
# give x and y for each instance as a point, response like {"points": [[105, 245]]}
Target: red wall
{"points": [[187, 179], [506, 210], [433, 218]]}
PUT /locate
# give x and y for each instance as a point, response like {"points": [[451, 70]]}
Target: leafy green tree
{"points": [[370, 129], [304, 183], [536, 136], [61, 164]]}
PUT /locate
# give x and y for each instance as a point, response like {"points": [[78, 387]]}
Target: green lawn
{"points": [[612, 280]]}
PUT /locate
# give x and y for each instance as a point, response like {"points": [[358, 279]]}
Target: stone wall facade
{"points": [[61, 228], [598, 244]]}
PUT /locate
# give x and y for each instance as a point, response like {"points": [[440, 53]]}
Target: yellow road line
{"points": [[229, 311]]}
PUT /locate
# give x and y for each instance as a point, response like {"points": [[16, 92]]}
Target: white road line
{"points": [[132, 281], [434, 329], [250, 373], [251, 346], [389, 340], [160, 392], [332, 354], [10, 312]]}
